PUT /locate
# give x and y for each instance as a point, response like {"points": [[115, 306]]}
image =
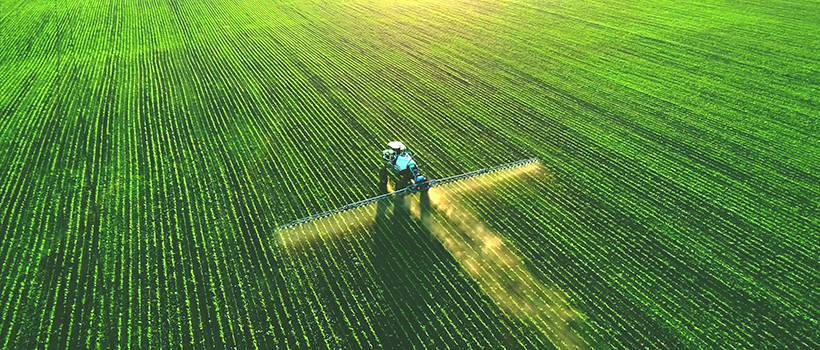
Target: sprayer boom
{"points": [[429, 184]]}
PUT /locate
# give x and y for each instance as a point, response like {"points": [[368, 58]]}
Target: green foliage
{"points": [[148, 149]]}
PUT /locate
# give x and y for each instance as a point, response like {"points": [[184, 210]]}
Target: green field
{"points": [[150, 149]]}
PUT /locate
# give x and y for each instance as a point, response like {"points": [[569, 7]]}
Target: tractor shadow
{"points": [[403, 275], [429, 299]]}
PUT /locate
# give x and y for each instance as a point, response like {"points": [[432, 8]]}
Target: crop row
{"points": [[150, 149]]}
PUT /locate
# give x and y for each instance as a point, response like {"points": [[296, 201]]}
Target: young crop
{"points": [[149, 150]]}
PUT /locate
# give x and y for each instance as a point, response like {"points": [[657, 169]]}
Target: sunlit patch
{"points": [[329, 227], [533, 171]]}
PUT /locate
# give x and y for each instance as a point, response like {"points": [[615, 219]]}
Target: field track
{"points": [[149, 149]]}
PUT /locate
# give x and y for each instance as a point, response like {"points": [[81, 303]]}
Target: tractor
{"points": [[398, 160]]}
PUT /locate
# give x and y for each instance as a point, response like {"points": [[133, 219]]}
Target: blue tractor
{"points": [[399, 161]]}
